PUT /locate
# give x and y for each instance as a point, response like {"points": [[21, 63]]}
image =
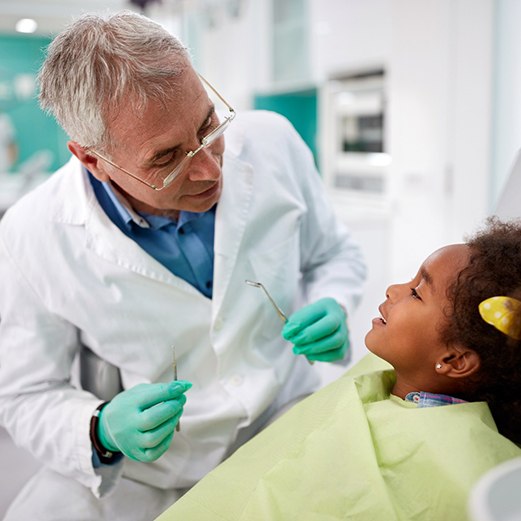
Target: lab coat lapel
{"points": [[232, 215], [102, 236]]}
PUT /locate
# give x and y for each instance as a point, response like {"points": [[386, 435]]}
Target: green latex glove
{"points": [[319, 331], [140, 421]]}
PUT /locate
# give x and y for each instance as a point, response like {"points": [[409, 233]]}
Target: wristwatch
{"points": [[105, 456]]}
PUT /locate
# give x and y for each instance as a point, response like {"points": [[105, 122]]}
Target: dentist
{"points": [[141, 242]]}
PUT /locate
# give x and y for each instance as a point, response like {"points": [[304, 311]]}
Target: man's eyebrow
{"points": [[160, 153], [426, 276]]}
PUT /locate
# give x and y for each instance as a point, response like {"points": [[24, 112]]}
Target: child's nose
{"points": [[393, 291]]}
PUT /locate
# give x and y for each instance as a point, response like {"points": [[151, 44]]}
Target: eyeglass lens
{"points": [[205, 142]]}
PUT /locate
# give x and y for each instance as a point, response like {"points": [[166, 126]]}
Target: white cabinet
{"points": [[354, 157]]}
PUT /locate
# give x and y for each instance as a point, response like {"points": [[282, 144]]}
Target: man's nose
{"points": [[205, 165]]}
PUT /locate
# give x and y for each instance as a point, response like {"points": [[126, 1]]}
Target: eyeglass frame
{"points": [[206, 141]]}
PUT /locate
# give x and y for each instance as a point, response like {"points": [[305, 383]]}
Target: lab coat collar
{"points": [[78, 206], [234, 140], [72, 195]]}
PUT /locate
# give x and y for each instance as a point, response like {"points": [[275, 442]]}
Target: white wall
{"points": [[506, 125], [234, 54], [418, 125], [440, 112], [470, 143], [348, 34]]}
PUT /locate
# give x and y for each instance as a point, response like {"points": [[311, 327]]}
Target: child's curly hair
{"points": [[494, 269]]}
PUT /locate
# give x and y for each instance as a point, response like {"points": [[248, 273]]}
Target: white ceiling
{"points": [[52, 15]]}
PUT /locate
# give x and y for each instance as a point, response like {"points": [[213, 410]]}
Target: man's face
{"points": [[157, 140], [408, 333]]}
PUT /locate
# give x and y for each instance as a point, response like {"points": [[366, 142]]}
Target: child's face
{"points": [[407, 334]]}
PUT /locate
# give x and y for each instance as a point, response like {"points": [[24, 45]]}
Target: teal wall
{"points": [[300, 107], [20, 59]]}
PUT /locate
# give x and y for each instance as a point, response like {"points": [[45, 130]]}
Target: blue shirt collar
{"points": [[143, 219], [123, 208]]}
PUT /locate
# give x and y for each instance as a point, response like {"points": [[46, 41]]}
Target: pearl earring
{"points": [[438, 366]]}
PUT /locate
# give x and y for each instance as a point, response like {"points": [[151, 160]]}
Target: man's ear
{"points": [[89, 161], [459, 362]]}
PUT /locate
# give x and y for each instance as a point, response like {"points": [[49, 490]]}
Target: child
{"points": [[406, 442]]}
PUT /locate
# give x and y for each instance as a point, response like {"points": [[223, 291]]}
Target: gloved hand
{"points": [[318, 331], [140, 421]]}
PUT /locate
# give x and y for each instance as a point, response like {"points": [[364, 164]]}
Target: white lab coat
{"points": [[70, 277]]}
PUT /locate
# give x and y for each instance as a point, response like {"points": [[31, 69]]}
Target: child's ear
{"points": [[459, 363]]}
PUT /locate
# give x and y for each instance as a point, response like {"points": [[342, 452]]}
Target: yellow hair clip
{"points": [[504, 313]]}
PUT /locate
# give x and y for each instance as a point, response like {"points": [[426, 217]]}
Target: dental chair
{"points": [[497, 495]]}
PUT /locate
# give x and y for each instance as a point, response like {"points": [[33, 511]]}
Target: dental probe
{"points": [[279, 311], [174, 367]]}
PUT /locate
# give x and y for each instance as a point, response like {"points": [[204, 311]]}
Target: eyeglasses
{"points": [[206, 141]]}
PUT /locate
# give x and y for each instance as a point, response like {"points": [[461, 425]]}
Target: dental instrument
{"points": [[279, 311], [174, 367]]}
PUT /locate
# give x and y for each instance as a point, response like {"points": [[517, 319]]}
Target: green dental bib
{"points": [[353, 451]]}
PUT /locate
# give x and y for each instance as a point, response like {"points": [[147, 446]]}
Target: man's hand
{"points": [[319, 331], [140, 422]]}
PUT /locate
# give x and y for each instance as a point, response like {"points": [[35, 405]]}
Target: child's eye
{"points": [[414, 294]]}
